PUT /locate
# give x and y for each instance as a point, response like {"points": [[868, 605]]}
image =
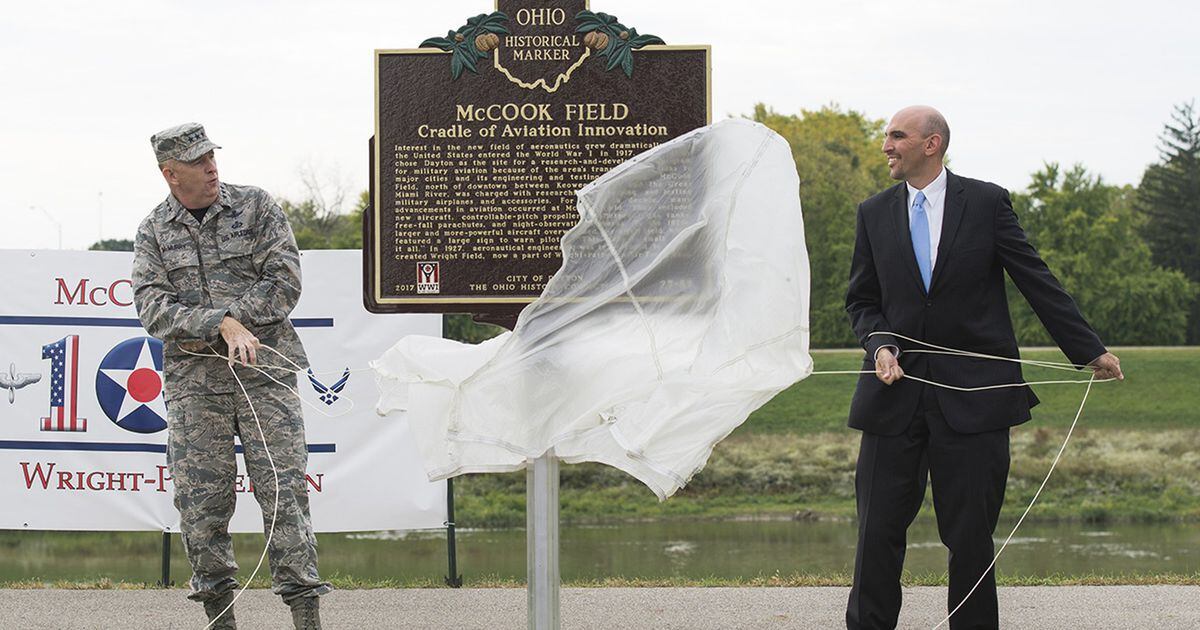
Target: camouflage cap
{"points": [[186, 143]]}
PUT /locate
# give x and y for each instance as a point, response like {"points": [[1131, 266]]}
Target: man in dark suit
{"points": [[929, 261]]}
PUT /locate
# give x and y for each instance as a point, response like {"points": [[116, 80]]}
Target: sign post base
{"points": [[541, 542]]}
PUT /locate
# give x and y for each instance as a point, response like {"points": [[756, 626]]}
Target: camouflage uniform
{"points": [[241, 261]]}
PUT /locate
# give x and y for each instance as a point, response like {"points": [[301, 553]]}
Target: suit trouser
{"points": [[968, 473], [200, 455]]}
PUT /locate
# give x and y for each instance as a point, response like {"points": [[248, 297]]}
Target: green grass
{"points": [[773, 580], [1104, 475], [1136, 455], [1159, 392]]}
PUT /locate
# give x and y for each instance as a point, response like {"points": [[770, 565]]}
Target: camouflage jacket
{"points": [[241, 261]]}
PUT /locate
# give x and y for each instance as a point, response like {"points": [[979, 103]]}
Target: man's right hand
{"points": [[242, 343], [887, 368], [1108, 366]]}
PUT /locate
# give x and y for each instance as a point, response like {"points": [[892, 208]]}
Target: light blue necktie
{"points": [[919, 229]]}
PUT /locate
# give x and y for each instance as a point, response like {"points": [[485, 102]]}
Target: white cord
{"points": [[1053, 464], [976, 389], [937, 350], [980, 355], [1026, 513], [274, 511], [298, 372]]}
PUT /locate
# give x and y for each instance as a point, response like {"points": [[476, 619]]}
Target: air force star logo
{"points": [[328, 393], [129, 385]]}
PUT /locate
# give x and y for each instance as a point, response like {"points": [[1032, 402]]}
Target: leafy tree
{"points": [[1169, 201], [112, 245], [319, 225], [838, 157], [1087, 231], [460, 327]]}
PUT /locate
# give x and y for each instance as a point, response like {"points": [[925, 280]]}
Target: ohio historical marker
{"points": [[483, 135]]}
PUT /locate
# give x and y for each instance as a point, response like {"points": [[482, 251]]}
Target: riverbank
{"points": [[697, 552], [1134, 456], [776, 496], [1106, 475]]}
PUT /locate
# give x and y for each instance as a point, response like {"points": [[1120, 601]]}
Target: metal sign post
{"points": [[453, 577], [165, 582], [462, 123], [541, 542]]}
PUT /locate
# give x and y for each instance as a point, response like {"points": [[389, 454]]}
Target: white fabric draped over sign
{"points": [[680, 308]]}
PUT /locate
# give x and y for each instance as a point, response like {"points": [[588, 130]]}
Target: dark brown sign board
{"points": [[483, 136]]}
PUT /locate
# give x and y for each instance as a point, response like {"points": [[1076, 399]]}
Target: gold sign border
{"points": [[378, 262]]}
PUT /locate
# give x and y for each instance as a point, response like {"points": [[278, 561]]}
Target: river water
{"points": [[675, 549]]}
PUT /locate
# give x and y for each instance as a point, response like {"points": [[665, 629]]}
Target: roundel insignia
{"points": [[129, 385]]}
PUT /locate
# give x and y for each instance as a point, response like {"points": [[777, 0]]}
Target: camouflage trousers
{"points": [[200, 455]]}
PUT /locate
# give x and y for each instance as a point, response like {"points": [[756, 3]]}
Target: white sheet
{"points": [[680, 308]]}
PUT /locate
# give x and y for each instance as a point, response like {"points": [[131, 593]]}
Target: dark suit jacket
{"points": [[966, 308]]}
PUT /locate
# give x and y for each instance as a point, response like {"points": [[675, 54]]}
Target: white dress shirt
{"points": [[935, 209]]}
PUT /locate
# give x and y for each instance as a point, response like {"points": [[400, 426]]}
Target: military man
{"points": [[216, 270]]}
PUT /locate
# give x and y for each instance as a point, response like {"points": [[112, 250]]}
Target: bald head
{"points": [[915, 143], [930, 121]]}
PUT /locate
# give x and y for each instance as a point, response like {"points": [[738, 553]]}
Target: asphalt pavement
{"points": [[1061, 607]]}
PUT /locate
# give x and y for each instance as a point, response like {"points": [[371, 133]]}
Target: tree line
{"points": [[1129, 255]]}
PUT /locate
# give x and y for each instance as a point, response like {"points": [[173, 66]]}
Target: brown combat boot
{"points": [[306, 614], [214, 609]]}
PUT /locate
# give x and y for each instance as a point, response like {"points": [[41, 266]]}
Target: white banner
{"points": [[82, 419]]}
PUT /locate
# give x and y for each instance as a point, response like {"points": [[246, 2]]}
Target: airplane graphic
{"points": [[14, 381]]}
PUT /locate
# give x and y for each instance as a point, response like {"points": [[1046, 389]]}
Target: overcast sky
{"points": [[287, 85]]}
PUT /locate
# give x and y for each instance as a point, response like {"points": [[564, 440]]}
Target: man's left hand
{"points": [[1108, 366]]}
